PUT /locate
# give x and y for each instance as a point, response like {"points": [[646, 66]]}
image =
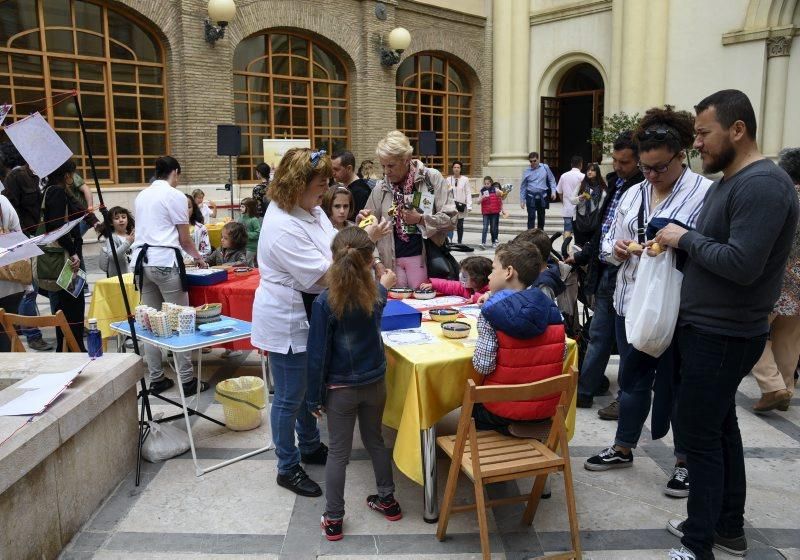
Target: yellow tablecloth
{"points": [[215, 234], [426, 381], [107, 305]]}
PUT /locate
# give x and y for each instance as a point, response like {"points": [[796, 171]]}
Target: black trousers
{"points": [[74, 309]]}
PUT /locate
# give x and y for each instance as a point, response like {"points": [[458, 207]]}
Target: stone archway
{"points": [[572, 102]]}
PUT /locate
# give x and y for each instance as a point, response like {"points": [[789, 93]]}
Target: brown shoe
{"points": [[774, 399], [611, 412]]}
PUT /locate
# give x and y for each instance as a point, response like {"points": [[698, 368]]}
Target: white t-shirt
{"points": [[568, 185], [206, 211], [158, 210], [294, 252]]}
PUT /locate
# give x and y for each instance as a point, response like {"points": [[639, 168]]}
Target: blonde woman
{"points": [[418, 203], [294, 253]]}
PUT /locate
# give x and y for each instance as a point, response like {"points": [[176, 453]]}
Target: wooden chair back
{"points": [[11, 321]]}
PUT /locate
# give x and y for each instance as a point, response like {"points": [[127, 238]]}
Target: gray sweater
{"points": [[737, 254]]}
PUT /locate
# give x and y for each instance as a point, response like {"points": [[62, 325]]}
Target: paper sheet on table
{"points": [[473, 311], [39, 144], [16, 246], [44, 389], [441, 301], [404, 337], [57, 234]]}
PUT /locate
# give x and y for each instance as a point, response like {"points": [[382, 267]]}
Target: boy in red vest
{"points": [[520, 338]]}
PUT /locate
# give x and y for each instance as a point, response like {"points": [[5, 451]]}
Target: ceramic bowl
{"points": [[443, 315], [209, 310], [400, 293], [424, 294], [456, 329]]}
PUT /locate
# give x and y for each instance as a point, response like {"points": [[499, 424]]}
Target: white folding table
{"points": [[186, 343]]}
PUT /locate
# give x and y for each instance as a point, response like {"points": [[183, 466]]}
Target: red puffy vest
{"points": [[525, 361], [492, 204]]}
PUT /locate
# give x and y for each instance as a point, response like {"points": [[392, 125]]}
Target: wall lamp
{"points": [[221, 12], [398, 41]]}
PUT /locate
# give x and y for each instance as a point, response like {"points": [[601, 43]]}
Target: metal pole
{"points": [[230, 177], [431, 499]]}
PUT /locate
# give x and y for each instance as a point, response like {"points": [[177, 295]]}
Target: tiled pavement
{"points": [[239, 512]]}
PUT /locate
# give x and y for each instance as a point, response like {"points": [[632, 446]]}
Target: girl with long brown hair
{"points": [[346, 369]]}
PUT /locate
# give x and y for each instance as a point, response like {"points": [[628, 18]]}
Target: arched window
{"points": [[49, 47], [288, 86], [433, 95]]}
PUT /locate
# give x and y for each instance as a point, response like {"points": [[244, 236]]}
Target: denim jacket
{"points": [[346, 351]]}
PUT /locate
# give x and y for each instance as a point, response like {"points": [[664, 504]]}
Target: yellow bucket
{"points": [[242, 400]]}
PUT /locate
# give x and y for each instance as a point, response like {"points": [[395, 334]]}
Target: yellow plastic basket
{"points": [[242, 400]]}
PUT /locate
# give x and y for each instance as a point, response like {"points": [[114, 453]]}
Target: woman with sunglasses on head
{"points": [[294, 254], [670, 193]]}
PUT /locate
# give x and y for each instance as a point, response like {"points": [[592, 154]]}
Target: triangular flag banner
{"points": [[39, 144]]}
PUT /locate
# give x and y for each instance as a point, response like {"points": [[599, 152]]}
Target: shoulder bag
{"points": [[48, 266], [19, 272]]}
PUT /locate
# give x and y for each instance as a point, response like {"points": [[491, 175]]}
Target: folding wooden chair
{"points": [[12, 321], [488, 456]]}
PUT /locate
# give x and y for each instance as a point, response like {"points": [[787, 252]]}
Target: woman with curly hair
{"points": [[670, 193], [294, 254]]}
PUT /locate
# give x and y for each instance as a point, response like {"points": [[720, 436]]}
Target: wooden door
{"points": [[549, 131]]}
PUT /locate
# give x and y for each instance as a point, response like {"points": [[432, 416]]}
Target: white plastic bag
{"points": [[653, 311], [164, 441]]}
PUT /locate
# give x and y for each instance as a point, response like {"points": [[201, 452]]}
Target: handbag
{"points": [[439, 262], [48, 265], [19, 272]]}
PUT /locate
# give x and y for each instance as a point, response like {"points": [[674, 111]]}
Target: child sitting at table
{"points": [[550, 279], [232, 247], [123, 237], [338, 205], [520, 339], [346, 369], [472, 283], [252, 223]]}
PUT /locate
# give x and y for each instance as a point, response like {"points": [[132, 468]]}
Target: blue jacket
{"points": [[523, 314], [551, 277], [346, 351]]}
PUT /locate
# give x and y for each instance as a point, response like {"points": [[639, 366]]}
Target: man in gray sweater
{"points": [[732, 278]]}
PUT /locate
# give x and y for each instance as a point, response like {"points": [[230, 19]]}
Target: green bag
{"points": [[47, 266]]}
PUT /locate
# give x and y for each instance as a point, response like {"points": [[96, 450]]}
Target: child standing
{"points": [[232, 247], [252, 223], [197, 230], [491, 207], [346, 369], [122, 236], [207, 210], [473, 280], [338, 205], [517, 325]]}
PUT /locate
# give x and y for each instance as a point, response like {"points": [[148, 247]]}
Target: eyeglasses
{"points": [[658, 134], [657, 169], [316, 156]]}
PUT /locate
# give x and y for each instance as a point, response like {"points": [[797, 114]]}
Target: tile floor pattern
{"points": [[239, 512]]}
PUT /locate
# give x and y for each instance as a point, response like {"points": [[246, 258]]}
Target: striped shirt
{"points": [[611, 211], [683, 204]]}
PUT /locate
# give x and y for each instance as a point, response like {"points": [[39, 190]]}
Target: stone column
{"points": [[511, 45], [774, 111], [639, 54]]}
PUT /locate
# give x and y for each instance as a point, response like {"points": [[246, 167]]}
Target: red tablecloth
{"points": [[236, 295]]}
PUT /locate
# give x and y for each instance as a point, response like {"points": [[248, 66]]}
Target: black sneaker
{"points": [[388, 506], [678, 485], [736, 546], [608, 458], [584, 401], [318, 457], [298, 482], [610, 412], [190, 387], [157, 387], [331, 528]]}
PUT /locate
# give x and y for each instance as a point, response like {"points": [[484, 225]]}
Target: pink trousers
{"points": [[410, 271]]}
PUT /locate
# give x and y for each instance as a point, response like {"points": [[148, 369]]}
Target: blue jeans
{"points": [[536, 210], [712, 366], [28, 308], [490, 222], [601, 336], [634, 404], [289, 411]]}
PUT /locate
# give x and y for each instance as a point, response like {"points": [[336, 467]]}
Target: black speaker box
{"points": [[229, 139], [426, 143]]}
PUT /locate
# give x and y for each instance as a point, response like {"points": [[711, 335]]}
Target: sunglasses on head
{"points": [[658, 134]]}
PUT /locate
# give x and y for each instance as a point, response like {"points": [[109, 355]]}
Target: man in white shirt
{"points": [[162, 230], [568, 186]]}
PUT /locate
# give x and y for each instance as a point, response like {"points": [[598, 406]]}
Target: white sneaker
{"points": [[682, 554]]}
